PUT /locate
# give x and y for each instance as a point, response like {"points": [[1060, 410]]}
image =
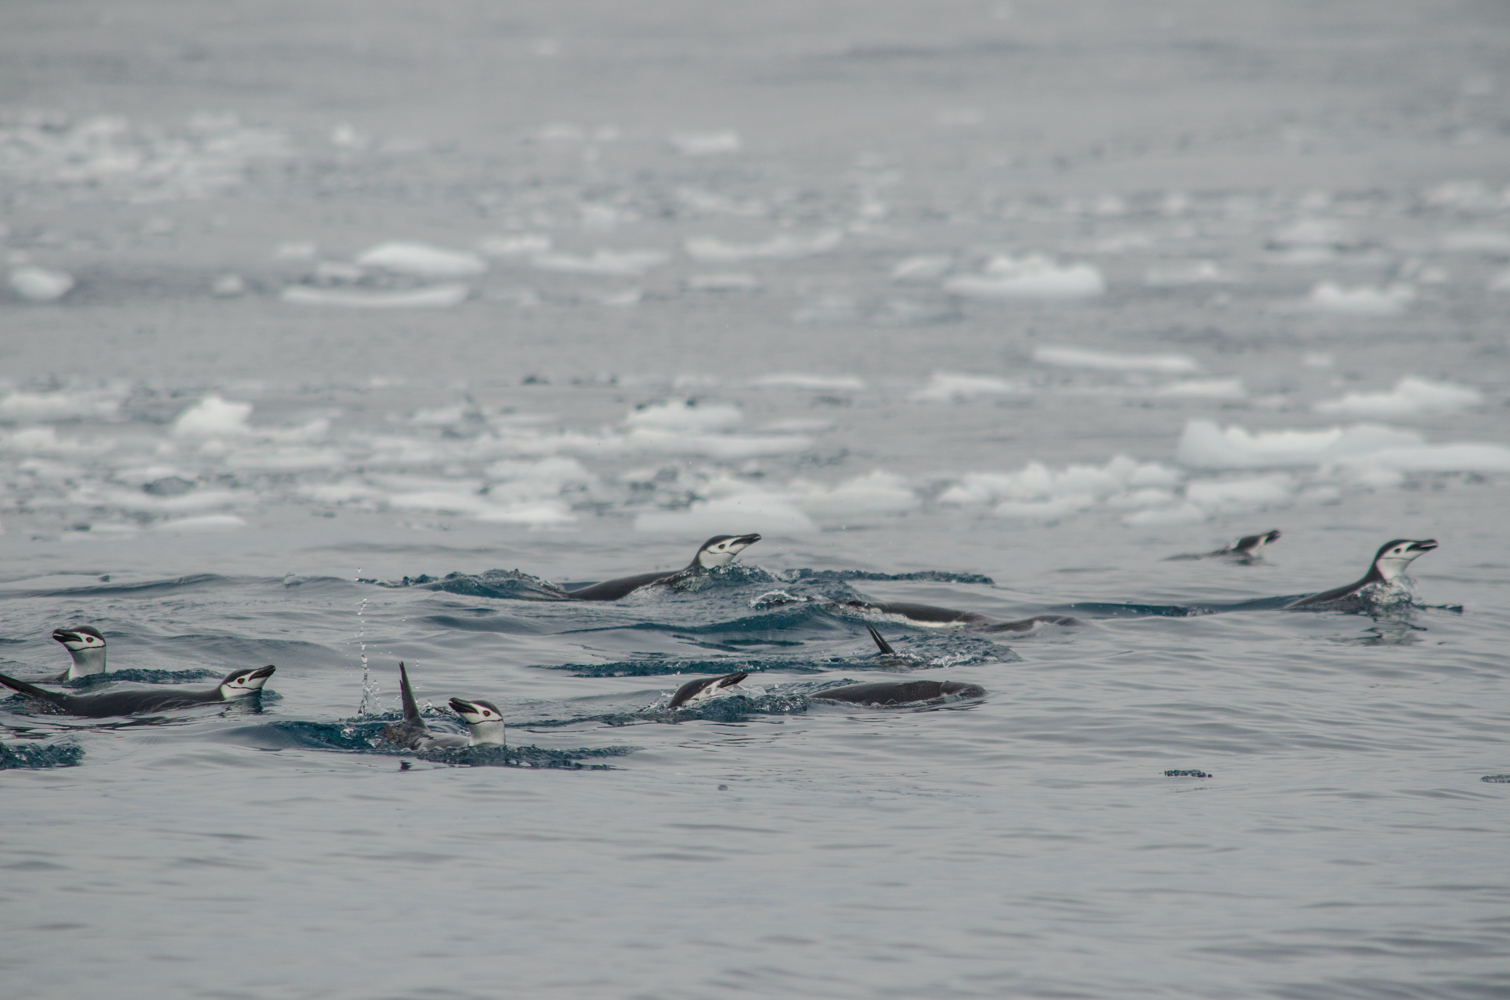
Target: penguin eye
{"points": [[88, 638], [486, 712]]}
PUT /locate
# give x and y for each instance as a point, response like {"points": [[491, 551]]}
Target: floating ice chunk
{"points": [[1205, 445], [211, 417], [1046, 511], [1487, 241], [755, 510], [284, 459], [1461, 457], [687, 415], [1240, 494], [717, 204], [1207, 388], [207, 522], [1183, 513], [539, 514], [879, 492], [40, 284], [1316, 233], [517, 245], [923, 267], [946, 387], [1190, 272], [1410, 396], [727, 447], [1031, 277], [817, 383], [228, 286], [796, 425], [452, 501], [1330, 298], [627, 263], [62, 404], [1462, 196], [1038, 483], [728, 282], [296, 250], [1079, 357], [706, 143], [422, 260], [431, 297], [787, 246]]}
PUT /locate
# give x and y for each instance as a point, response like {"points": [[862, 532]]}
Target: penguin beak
{"points": [[63, 635], [266, 671], [743, 541], [1424, 546], [463, 707]]}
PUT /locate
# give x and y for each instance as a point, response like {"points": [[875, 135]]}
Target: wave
{"points": [[145, 587], [366, 737], [37, 756]]}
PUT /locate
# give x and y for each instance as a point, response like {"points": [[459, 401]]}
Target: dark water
{"points": [[989, 307]]}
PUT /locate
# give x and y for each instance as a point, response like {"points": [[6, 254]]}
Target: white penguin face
{"points": [[483, 720], [79, 639], [720, 550], [244, 683], [1400, 553]]}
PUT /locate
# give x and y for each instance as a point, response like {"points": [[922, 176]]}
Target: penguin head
{"points": [[245, 682], [79, 638], [482, 718], [1394, 556], [720, 550]]}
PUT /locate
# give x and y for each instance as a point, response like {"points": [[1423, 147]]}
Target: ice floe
{"points": [[706, 143], [1493, 242], [1203, 388], [806, 380], [40, 284], [1331, 299], [621, 263], [1032, 277], [1178, 274], [422, 260], [213, 416], [959, 387], [737, 281], [1409, 397], [71, 403], [922, 268], [1360, 447], [1079, 357], [786, 246], [515, 245], [430, 297]]}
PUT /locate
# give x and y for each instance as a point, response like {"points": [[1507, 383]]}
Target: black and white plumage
{"points": [[237, 685], [86, 647], [704, 688], [888, 693], [719, 550], [927, 614], [484, 723], [1385, 572], [1247, 549]]}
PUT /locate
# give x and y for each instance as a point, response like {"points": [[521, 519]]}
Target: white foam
{"points": [[816, 383], [619, 263], [1210, 388], [684, 415], [1330, 298], [1489, 241], [208, 522], [518, 245], [957, 387], [431, 297], [727, 282], [706, 143], [40, 284], [422, 260], [1032, 277], [1079, 357], [1182, 273], [1205, 445], [211, 417], [786, 246], [922, 267], [1409, 397]]}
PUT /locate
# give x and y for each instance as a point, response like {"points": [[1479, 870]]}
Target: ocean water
{"points": [[333, 337]]}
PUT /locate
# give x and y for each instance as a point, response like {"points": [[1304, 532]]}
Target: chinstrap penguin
{"points": [[86, 646], [719, 550], [927, 614], [1247, 549], [484, 723], [900, 692], [1384, 573], [238, 685], [704, 688]]}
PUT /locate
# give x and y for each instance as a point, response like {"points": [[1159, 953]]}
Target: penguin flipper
{"points": [[881, 644]]}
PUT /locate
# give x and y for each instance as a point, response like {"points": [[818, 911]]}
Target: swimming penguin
{"points": [[704, 688], [900, 692], [1247, 549], [87, 647], [238, 685], [927, 614], [484, 723], [1383, 573], [719, 550]]}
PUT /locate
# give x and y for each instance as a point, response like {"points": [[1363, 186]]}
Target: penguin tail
{"points": [[30, 691], [411, 710]]}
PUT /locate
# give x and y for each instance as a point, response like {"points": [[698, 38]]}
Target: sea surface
{"points": [[334, 336]]}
